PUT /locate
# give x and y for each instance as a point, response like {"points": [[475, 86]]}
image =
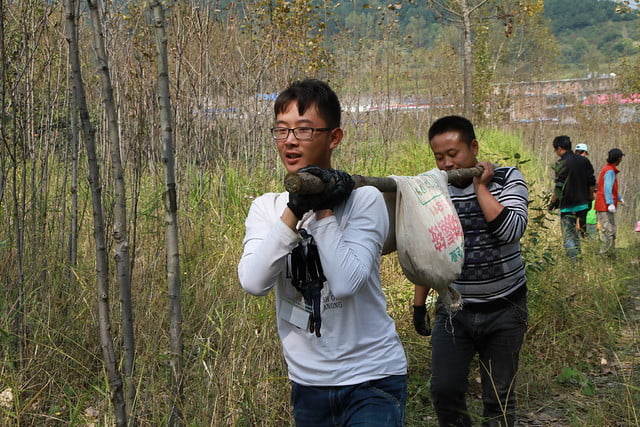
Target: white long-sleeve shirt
{"points": [[359, 340]]}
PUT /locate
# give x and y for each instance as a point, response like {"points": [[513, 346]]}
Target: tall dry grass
{"points": [[235, 374]]}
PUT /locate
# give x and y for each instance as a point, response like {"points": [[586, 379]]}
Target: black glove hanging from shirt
{"points": [[307, 277]]}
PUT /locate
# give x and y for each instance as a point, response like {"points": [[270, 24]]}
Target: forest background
{"points": [[178, 342]]}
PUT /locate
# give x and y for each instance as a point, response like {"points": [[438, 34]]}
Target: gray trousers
{"points": [[608, 231]]}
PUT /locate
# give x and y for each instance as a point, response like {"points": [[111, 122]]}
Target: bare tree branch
{"points": [[171, 216], [102, 264], [120, 211]]}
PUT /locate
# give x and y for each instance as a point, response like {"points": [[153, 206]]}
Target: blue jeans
{"points": [[372, 403], [496, 335], [570, 221]]}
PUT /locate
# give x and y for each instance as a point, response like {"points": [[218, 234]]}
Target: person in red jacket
{"points": [[607, 200]]}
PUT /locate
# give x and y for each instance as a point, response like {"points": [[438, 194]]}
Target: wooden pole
{"points": [[306, 183]]}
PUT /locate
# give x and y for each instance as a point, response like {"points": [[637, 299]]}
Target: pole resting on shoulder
{"points": [[306, 183]]}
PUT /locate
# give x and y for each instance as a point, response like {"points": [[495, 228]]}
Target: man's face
{"points": [[296, 153], [453, 153], [559, 152]]}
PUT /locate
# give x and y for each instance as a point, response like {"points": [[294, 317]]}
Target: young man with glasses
{"points": [[321, 254]]}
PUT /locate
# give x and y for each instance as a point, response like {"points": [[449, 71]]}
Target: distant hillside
{"points": [[591, 35], [569, 15]]}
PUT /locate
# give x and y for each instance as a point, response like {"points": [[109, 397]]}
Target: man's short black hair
{"points": [[453, 124], [562, 141], [615, 154], [307, 93]]}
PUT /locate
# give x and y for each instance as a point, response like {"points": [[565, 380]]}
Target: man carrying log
{"points": [[321, 253], [492, 209]]}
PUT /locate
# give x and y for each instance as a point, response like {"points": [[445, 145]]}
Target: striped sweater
{"points": [[493, 266]]}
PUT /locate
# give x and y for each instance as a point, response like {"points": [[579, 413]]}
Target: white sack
{"points": [[428, 234]]}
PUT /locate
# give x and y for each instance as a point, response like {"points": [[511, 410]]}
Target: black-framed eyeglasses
{"points": [[303, 133]]}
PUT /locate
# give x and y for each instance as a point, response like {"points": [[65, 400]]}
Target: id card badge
{"points": [[295, 313]]}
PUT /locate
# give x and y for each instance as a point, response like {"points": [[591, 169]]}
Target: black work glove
{"points": [[301, 203], [553, 205], [421, 320], [338, 192]]}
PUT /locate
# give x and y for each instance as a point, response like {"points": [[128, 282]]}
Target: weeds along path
{"points": [[619, 377], [630, 337], [615, 397], [627, 363]]}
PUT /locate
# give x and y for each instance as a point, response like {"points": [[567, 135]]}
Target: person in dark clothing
{"points": [[573, 192]]}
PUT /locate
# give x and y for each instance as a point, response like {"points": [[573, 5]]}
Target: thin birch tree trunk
{"points": [[120, 208], [463, 11], [74, 139], [467, 59], [19, 223], [171, 215], [18, 152], [3, 115], [102, 265], [73, 235]]}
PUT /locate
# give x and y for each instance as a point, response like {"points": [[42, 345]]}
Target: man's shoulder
{"points": [[576, 160], [366, 191], [584, 160], [271, 196], [503, 174], [365, 195], [274, 200]]}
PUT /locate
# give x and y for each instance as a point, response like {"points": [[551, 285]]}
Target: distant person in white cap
{"points": [[582, 149], [590, 226]]}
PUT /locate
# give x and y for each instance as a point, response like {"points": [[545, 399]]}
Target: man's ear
{"points": [[474, 147], [336, 136]]}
